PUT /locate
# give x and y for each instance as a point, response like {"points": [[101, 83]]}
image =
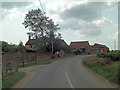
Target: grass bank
{"points": [[28, 64], [104, 67], [12, 79]]}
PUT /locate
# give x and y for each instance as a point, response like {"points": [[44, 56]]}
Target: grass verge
{"points": [[99, 65], [28, 64], [12, 79]]}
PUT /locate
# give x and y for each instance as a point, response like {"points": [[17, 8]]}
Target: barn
{"points": [[82, 45]]}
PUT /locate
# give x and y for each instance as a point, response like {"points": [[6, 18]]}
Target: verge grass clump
{"points": [[107, 70], [12, 79]]}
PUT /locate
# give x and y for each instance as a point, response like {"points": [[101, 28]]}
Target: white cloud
{"points": [[10, 5], [78, 20], [102, 22], [116, 25], [113, 36], [36, 3], [78, 34], [29, 6], [88, 29], [84, 16]]}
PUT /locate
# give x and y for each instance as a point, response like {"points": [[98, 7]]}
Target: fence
{"points": [[11, 62], [9, 65]]}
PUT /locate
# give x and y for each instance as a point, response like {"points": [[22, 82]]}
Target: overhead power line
{"points": [[41, 5]]}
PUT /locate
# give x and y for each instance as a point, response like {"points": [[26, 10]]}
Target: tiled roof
{"points": [[63, 42], [82, 44], [30, 42], [99, 46]]}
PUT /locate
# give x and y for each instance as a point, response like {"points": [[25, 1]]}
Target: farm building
{"points": [[82, 45], [86, 48], [31, 44], [96, 48]]}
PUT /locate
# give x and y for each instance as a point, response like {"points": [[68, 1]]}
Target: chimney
{"points": [[29, 37], [36, 37]]}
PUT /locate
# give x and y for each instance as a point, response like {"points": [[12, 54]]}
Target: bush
{"points": [[66, 49], [77, 52], [114, 56], [11, 48], [110, 72]]}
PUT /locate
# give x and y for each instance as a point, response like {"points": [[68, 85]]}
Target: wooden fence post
{"points": [[35, 58], [23, 63], [22, 57], [17, 66], [2, 75]]}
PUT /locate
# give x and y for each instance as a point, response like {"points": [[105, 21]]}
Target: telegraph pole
{"points": [[118, 39], [52, 41], [114, 45], [41, 5]]}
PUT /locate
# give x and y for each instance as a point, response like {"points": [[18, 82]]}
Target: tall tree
{"points": [[40, 25], [21, 47]]}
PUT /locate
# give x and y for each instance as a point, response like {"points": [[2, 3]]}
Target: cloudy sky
{"points": [[79, 20]]}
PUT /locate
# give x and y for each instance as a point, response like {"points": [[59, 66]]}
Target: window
{"points": [[31, 46]]}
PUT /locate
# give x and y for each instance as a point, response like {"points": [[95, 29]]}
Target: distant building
{"points": [[96, 48], [31, 44], [86, 48], [82, 45]]}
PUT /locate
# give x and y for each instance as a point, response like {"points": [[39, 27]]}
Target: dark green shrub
{"points": [[114, 55]]}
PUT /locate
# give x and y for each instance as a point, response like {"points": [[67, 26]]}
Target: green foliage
{"points": [[12, 79], [8, 47], [47, 46], [11, 48], [27, 64], [5, 46], [113, 55], [57, 44], [21, 47], [40, 24], [110, 72], [41, 44], [76, 52], [66, 49]]}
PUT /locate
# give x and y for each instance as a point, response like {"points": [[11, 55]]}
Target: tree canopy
{"points": [[11, 48], [40, 25], [44, 29]]}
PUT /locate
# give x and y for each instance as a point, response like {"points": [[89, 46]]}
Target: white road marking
{"points": [[69, 80]]}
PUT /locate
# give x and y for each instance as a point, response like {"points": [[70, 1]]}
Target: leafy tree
{"points": [[41, 26], [39, 23], [8, 47], [66, 49], [57, 45], [12, 48], [21, 47], [5, 46]]}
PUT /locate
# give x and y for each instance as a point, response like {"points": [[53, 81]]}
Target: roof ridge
{"points": [[79, 41]]}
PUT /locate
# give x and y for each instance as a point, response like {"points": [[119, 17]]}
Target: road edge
{"points": [[99, 76], [23, 81]]}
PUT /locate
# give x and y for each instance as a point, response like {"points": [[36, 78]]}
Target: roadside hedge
{"points": [[109, 71], [113, 55]]}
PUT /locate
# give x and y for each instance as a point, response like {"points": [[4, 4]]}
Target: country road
{"points": [[66, 73]]}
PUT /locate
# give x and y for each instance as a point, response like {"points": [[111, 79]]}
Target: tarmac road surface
{"points": [[65, 73]]}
